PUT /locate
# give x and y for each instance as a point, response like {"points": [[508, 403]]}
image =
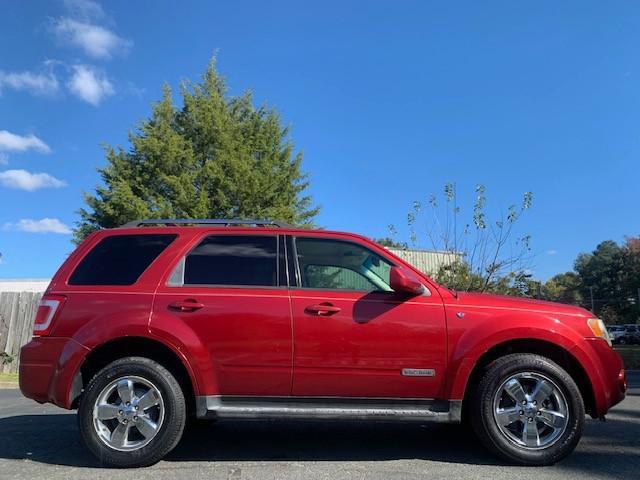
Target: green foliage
{"points": [[563, 288], [610, 275], [5, 358], [630, 356], [217, 156], [391, 243], [459, 276]]}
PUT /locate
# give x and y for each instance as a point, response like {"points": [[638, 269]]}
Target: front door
{"points": [[228, 290], [354, 336]]}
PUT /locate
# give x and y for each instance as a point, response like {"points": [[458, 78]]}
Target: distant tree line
{"points": [[606, 281]]}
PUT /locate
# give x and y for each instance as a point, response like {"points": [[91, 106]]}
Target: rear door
{"points": [[230, 290], [354, 336]]}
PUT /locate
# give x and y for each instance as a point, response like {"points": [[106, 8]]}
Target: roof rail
{"points": [[224, 222]]}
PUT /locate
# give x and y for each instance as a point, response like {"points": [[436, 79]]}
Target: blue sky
{"points": [[388, 101]]}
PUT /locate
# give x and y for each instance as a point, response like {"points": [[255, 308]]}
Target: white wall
{"points": [[24, 285]]}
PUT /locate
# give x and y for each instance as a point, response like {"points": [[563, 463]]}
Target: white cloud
{"points": [[45, 225], [36, 83], [19, 143], [4, 159], [552, 252], [89, 85], [95, 40], [24, 180]]}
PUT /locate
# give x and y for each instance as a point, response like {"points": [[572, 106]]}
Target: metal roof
{"points": [[427, 261]]}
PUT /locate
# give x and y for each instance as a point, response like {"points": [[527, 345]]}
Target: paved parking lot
{"points": [[38, 441]]}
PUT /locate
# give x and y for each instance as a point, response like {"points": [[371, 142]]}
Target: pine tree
{"points": [[217, 156]]}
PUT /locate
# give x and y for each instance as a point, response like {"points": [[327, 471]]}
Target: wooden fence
{"points": [[17, 312]]}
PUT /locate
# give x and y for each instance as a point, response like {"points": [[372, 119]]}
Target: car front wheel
{"points": [[132, 413], [528, 410]]}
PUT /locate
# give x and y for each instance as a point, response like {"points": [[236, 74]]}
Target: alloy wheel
{"points": [[128, 413], [530, 410]]}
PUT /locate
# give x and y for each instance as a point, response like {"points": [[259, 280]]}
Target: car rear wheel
{"points": [[132, 413], [528, 410]]}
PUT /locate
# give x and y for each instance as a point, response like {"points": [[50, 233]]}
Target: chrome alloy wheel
{"points": [[128, 413], [530, 410]]}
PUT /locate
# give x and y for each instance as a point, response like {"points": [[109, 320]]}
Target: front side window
{"points": [[119, 259], [234, 260], [337, 264]]}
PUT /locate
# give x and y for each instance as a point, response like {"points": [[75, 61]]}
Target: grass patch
{"points": [[631, 356], [8, 378]]}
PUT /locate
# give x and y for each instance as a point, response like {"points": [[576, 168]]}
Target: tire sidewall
{"points": [[500, 372], [172, 425]]}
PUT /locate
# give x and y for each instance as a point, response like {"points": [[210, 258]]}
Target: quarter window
{"points": [[235, 260], [119, 259], [336, 264]]}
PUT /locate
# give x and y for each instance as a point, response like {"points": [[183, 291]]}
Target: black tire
{"points": [[170, 431], [481, 410]]}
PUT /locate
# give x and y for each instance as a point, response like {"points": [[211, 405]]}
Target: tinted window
{"points": [[233, 260], [341, 265], [119, 259]]}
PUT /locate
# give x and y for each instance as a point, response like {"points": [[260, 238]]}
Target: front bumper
{"points": [[606, 372], [48, 366]]}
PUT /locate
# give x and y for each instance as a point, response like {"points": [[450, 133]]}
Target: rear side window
{"points": [[234, 260], [119, 259]]}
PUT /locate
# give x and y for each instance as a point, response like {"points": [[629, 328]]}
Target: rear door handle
{"points": [[322, 309], [189, 305]]}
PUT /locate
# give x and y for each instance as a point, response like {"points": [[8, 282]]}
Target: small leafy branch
{"points": [[485, 255], [5, 358]]}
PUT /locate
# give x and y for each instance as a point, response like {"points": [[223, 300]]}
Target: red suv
{"points": [[147, 325]]}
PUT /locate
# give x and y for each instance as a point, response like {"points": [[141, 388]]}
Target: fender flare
{"points": [[180, 340], [474, 343]]}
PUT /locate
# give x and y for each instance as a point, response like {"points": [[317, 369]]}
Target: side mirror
{"points": [[405, 282]]}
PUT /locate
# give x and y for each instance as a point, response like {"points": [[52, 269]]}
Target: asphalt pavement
{"points": [[42, 441]]}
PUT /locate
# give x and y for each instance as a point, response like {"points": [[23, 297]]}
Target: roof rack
{"points": [[223, 222]]}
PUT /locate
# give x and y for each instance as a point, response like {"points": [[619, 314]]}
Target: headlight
{"points": [[599, 330]]}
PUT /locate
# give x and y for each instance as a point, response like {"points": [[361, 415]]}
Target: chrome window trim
{"points": [[176, 278]]}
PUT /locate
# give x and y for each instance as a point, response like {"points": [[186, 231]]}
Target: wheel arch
{"points": [[550, 350], [121, 347]]}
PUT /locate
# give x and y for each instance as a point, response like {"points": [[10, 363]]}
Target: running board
{"points": [[329, 408]]}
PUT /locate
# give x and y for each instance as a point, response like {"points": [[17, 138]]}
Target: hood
{"points": [[503, 301]]}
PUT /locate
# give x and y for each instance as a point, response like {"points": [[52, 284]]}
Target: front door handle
{"points": [[189, 305], [324, 309]]}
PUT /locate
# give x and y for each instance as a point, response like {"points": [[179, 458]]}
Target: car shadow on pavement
{"points": [[330, 441], [607, 448], [54, 439]]}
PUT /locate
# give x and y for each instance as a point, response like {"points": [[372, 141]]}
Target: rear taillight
{"points": [[48, 310]]}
